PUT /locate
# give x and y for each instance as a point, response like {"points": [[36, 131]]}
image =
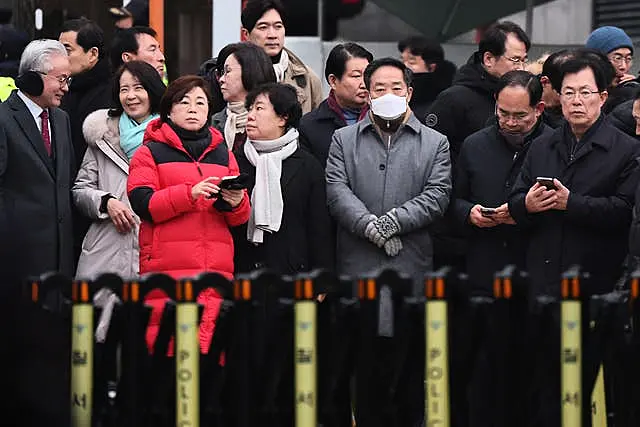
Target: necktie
{"points": [[45, 131]]}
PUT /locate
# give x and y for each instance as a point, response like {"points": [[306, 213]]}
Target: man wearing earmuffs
{"points": [[36, 174]]}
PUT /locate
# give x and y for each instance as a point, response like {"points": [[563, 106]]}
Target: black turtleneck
{"points": [[276, 58], [195, 142]]}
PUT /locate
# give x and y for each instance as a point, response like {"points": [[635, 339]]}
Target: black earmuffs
{"points": [[30, 83]]}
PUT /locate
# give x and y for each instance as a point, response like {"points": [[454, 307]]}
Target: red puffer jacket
{"points": [[179, 236]]}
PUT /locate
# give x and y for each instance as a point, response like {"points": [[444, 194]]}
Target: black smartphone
{"points": [[487, 211], [547, 182], [239, 182]]}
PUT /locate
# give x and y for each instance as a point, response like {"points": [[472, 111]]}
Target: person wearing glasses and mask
{"points": [[489, 163], [582, 216], [468, 105], [618, 46]]}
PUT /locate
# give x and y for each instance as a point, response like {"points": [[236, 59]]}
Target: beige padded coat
{"points": [[104, 170]]}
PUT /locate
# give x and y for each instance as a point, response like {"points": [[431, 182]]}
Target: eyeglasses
{"points": [[219, 73], [518, 61], [619, 59], [62, 80], [583, 94]]}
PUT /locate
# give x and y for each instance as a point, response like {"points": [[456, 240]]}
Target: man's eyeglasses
{"points": [[582, 94], [62, 80], [619, 59], [517, 61]]}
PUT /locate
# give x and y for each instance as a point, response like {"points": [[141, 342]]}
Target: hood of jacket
{"points": [[427, 86], [474, 76], [159, 131], [98, 125]]}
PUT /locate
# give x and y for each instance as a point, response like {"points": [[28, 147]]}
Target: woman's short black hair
{"points": [[147, 76], [340, 55], [178, 89], [284, 99], [256, 65], [523, 79], [582, 62], [386, 62]]}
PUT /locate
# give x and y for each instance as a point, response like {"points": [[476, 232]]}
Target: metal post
{"points": [[320, 19], [226, 24], [529, 22]]}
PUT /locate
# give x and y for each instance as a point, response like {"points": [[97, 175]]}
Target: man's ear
{"points": [[539, 108], [244, 34], [127, 57], [544, 80], [488, 60], [94, 55], [409, 94], [431, 68]]}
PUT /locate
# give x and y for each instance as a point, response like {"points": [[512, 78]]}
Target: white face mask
{"points": [[389, 106]]}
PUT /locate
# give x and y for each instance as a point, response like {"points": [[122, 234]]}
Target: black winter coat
{"points": [[316, 130], [305, 240], [89, 91], [486, 171], [619, 94], [466, 106], [622, 118], [602, 178]]}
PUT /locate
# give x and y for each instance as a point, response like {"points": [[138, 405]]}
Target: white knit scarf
{"points": [[266, 199], [281, 66], [236, 121]]}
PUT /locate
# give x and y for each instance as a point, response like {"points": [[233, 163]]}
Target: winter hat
{"points": [[606, 39]]}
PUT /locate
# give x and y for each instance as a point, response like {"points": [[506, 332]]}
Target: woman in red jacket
{"points": [[173, 188]]}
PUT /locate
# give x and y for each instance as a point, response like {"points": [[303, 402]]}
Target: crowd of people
{"points": [[408, 164]]}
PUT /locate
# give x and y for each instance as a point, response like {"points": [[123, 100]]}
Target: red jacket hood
{"points": [[159, 131]]}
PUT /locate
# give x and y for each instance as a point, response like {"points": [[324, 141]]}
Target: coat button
{"points": [[382, 167], [546, 261], [258, 265]]}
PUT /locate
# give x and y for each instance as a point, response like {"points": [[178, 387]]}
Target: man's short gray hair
{"points": [[38, 53]]}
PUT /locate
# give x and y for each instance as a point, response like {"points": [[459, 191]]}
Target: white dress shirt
{"points": [[35, 111]]}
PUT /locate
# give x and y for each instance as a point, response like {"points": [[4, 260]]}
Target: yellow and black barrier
{"points": [[82, 346], [436, 353], [187, 356], [274, 344], [306, 354], [571, 351]]}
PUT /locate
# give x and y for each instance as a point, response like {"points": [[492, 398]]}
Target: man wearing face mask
{"points": [[388, 177], [489, 163]]}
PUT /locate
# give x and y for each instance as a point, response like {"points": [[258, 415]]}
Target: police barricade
{"points": [[317, 350]]}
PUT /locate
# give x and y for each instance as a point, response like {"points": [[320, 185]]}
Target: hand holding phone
{"points": [[488, 211]]}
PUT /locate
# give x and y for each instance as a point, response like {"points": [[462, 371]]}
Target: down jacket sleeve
{"points": [[432, 203], [86, 195], [241, 213], [344, 206], [150, 202]]}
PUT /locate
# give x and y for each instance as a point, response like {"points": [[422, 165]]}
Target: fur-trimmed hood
{"points": [[99, 126]]}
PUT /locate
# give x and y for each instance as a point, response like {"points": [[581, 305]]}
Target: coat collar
{"points": [[294, 164], [27, 123], [296, 66], [412, 123]]}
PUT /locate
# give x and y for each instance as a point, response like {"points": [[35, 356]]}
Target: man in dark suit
{"points": [[36, 237]]}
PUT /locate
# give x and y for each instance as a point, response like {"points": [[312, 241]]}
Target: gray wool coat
{"points": [[366, 175], [104, 170]]}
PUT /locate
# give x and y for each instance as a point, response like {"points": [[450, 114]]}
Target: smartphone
{"points": [[487, 211], [547, 182], [239, 182]]}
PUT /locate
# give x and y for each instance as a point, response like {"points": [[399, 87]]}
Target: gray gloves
{"points": [[381, 232], [393, 246]]}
